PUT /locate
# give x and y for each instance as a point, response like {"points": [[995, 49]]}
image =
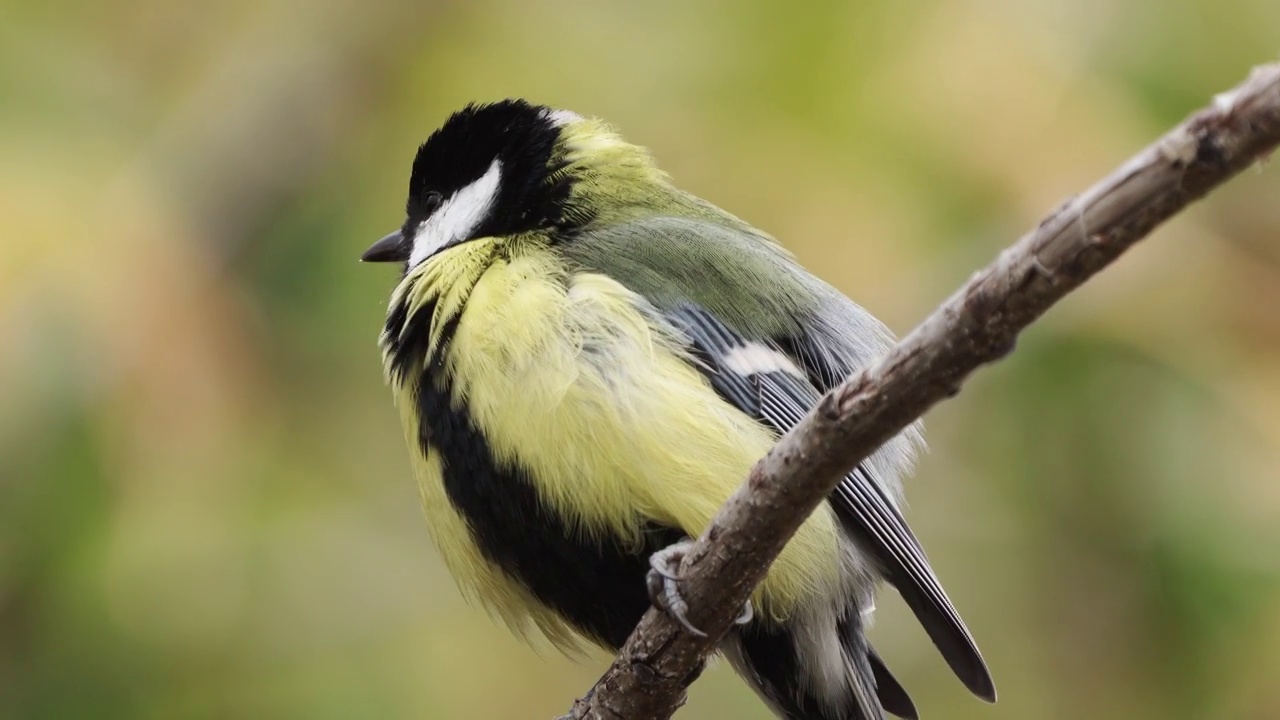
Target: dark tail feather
{"points": [[949, 635], [892, 696], [767, 657], [878, 528]]}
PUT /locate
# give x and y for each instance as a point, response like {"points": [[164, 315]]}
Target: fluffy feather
{"points": [[591, 373], [569, 377]]}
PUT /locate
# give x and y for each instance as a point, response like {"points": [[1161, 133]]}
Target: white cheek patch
{"points": [[458, 217], [560, 118], [754, 358]]}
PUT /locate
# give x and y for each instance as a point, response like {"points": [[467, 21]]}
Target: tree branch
{"points": [[977, 325]]}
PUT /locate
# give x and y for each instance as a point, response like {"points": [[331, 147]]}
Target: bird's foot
{"points": [[664, 590]]}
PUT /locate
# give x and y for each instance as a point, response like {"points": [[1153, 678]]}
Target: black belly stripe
{"points": [[596, 584]]}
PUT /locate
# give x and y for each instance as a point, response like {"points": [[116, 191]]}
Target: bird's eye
{"points": [[431, 202]]}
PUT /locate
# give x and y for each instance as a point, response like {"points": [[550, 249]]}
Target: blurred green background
{"points": [[205, 503]]}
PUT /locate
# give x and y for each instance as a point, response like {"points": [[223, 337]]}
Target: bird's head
{"points": [[509, 168]]}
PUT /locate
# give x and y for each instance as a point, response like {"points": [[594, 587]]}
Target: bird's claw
{"points": [[662, 581], [664, 591], [667, 561]]}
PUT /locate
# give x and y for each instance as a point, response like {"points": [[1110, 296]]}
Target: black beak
{"points": [[391, 248]]}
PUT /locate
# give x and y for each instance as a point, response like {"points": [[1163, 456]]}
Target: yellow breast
{"points": [[568, 377]]}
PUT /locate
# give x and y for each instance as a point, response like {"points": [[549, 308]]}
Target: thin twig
{"points": [[977, 325]]}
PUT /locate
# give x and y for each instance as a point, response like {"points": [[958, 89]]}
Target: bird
{"points": [[587, 361]]}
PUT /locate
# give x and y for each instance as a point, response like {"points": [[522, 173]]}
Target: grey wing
{"points": [[774, 381]]}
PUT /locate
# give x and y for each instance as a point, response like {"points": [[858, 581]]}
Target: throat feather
{"points": [[426, 306]]}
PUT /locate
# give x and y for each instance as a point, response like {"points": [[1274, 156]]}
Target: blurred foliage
{"points": [[205, 503]]}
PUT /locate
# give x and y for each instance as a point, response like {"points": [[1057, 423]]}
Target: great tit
{"points": [[587, 362]]}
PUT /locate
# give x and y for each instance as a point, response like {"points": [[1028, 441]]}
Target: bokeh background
{"points": [[205, 502]]}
